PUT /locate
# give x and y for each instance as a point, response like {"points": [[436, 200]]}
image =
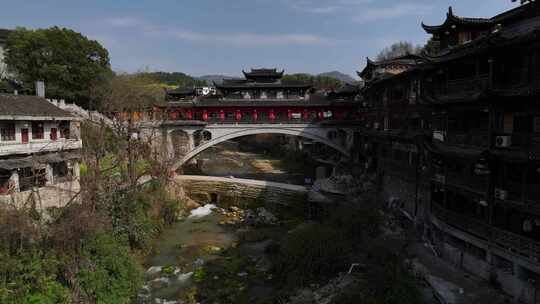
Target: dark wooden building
{"points": [[455, 138]]}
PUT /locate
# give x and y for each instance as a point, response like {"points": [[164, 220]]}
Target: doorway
{"points": [[24, 136]]}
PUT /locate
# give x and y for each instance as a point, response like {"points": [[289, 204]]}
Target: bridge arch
{"points": [[254, 131]]}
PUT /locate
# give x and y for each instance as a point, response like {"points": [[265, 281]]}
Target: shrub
{"points": [[310, 254], [108, 274], [30, 277], [357, 223]]}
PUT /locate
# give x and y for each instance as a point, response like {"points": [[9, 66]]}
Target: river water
{"points": [[229, 160], [178, 253], [202, 241]]}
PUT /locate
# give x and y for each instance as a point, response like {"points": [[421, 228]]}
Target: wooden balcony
{"points": [[468, 139], [521, 141], [399, 168], [467, 183], [36, 146], [504, 240], [457, 87]]}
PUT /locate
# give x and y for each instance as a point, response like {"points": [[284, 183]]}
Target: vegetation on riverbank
{"points": [[273, 263], [89, 251]]}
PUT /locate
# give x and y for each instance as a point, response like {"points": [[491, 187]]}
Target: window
{"points": [[522, 124], [64, 129], [8, 131], [60, 169], [536, 124], [54, 134], [37, 130], [29, 178]]}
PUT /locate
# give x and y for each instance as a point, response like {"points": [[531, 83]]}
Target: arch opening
{"points": [[204, 145]]}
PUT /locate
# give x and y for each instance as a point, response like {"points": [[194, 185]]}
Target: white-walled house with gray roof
{"points": [[40, 150]]}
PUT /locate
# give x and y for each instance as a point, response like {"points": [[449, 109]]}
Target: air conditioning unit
{"points": [[501, 194], [440, 178], [438, 135], [503, 141], [376, 126]]}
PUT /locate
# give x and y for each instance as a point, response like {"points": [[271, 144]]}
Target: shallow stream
{"points": [[178, 253]]}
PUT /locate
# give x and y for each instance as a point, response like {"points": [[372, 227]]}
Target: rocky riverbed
{"points": [[214, 255]]}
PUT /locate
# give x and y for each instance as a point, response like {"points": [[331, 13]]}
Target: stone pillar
{"points": [[49, 174], [168, 145], [320, 172], [14, 181], [191, 140], [76, 170]]}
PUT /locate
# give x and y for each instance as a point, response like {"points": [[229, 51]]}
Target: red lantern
{"points": [[174, 115], [306, 114], [289, 114], [222, 115], [189, 114], [255, 115], [272, 116], [321, 115], [205, 115], [238, 115]]}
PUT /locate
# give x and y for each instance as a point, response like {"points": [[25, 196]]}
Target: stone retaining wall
{"points": [[241, 192], [56, 195]]}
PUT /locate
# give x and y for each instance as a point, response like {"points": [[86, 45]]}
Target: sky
{"points": [[202, 37]]}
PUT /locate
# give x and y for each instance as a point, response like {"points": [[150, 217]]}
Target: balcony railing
{"points": [[458, 87], [521, 141], [470, 183], [505, 240], [399, 168], [40, 146], [468, 139], [532, 194]]}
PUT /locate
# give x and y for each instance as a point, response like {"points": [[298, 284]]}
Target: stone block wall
{"points": [[56, 195], [240, 193]]}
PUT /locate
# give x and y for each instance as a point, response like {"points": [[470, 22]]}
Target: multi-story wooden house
{"points": [[478, 173], [395, 124]]}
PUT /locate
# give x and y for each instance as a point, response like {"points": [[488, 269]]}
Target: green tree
{"points": [[398, 49], [318, 82], [432, 46], [72, 66], [132, 92], [175, 79]]}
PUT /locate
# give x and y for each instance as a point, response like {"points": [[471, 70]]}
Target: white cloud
{"points": [[241, 39], [324, 6], [245, 39], [124, 21], [371, 14]]}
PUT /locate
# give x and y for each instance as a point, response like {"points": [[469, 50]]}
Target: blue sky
{"points": [[224, 36]]}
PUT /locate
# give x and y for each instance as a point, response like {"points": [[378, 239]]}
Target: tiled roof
{"points": [[510, 16], [271, 85], [521, 31], [409, 60], [25, 105], [263, 73]]}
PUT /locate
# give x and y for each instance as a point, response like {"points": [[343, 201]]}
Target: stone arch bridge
{"points": [[183, 140]]}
